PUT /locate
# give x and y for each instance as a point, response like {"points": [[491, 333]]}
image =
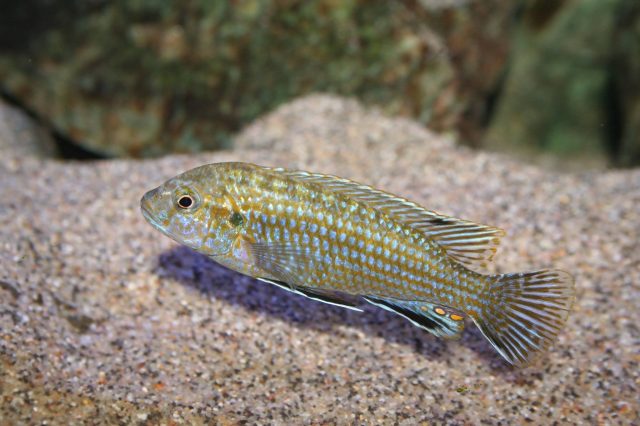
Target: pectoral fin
{"points": [[281, 261], [438, 320]]}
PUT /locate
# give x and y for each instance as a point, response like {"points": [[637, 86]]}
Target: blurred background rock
{"points": [[553, 80], [22, 136]]}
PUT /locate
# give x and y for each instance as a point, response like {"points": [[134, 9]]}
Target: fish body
{"points": [[326, 237]]}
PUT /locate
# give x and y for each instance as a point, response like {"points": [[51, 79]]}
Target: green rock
{"points": [[138, 78], [557, 94], [626, 65]]}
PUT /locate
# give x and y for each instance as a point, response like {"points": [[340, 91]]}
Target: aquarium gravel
{"points": [[102, 321]]}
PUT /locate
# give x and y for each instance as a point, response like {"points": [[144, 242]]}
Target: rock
{"points": [[169, 336], [144, 79], [329, 127], [627, 84], [558, 96], [21, 136]]}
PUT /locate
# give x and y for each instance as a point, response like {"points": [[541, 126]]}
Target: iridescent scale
{"points": [[340, 244]]}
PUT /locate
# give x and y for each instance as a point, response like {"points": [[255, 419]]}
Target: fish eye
{"points": [[185, 201]]}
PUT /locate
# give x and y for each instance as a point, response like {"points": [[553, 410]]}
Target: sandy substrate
{"points": [[105, 320]]}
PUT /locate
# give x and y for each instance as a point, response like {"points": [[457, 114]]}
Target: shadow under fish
{"points": [[196, 271]]}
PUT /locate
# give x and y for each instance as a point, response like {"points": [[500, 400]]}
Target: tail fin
{"points": [[523, 312]]}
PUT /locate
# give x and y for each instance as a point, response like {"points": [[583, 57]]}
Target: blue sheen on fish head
{"points": [[192, 211]]}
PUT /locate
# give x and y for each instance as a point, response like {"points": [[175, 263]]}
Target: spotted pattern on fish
{"points": [[326, 238]]}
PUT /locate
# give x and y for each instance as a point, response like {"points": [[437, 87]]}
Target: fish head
{"points": [[192, 210]]}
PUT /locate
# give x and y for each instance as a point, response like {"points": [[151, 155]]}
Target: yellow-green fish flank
{"points": [[326, 238]]}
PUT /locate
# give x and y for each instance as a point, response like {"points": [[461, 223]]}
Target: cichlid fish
{"points": [[325, 238]]}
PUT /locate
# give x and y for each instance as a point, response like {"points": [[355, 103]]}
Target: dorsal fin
{"points": [[469, 243]]}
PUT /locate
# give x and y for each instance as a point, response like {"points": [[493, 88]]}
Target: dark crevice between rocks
{"points": [[66, 147], [614, 122]]}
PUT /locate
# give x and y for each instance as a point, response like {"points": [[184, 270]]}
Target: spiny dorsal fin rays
{"points": [[469, 243], [474, 245]]}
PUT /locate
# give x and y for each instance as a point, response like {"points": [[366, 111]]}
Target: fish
{"points": [[344, 243]]}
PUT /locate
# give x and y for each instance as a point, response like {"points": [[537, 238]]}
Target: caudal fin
{"points": [[523, 312]]}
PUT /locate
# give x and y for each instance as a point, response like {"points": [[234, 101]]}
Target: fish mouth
{"points": [[150, 217], [146, 211]]}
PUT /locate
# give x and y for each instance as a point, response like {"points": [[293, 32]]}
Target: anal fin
{"points": [[441, 321], [328, 297]]}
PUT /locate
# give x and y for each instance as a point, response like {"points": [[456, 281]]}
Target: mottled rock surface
{"points": [[140, 79], [573, 84], [104, 319]]}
